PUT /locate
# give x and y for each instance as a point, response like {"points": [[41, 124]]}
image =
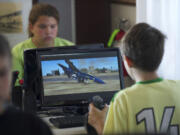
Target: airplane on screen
{"points": [[74, 73]]}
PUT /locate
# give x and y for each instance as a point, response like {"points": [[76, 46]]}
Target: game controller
{"points": [[98, 103]]}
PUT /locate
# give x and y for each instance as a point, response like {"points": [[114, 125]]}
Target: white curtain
{"points": [[164, 15]]}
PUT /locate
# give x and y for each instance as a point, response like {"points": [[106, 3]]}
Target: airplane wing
{"points": [[66, 70], [63, 67], [71, 65], [73, 72]]}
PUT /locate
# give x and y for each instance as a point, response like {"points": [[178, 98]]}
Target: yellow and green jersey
{"points": [[146, 107], [18, 54]]}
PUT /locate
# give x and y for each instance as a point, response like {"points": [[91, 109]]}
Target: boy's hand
{"points": [[96, 117]]}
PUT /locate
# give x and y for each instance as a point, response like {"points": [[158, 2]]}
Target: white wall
{"points": [[15, 38], [119, 11]]}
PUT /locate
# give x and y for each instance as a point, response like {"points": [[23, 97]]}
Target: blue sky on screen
{"points": [[106, 62]]}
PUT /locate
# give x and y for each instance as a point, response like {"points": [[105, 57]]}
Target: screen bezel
{"points": [[78, 98]]}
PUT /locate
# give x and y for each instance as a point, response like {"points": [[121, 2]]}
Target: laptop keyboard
{"points": [[68, 121]]}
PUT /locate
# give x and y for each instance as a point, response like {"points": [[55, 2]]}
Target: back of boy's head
{"points": [[42, 9], [144, 45], [4, 47]]}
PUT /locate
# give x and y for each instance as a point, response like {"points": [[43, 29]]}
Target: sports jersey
{"points": [[18, 50], [146, 107]]}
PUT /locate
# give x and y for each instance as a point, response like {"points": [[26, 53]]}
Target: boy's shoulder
{"points": [[62, 42], [139, 88], [172, 81], [15, 113], [30, 122], [26, 44], [123, 92]]}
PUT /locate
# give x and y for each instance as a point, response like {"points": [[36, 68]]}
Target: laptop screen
{"points": [[75, 75], [69, 76]]}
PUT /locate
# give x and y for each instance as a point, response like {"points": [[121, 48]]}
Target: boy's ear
{"points": [[129, 61], [30, 26]]}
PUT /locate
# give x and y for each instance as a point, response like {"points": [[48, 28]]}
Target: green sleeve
{"points": [[63, 42], [17, 61]]}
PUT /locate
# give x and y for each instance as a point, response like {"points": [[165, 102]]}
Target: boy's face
{"points": [[44, 30], [5, 78]]}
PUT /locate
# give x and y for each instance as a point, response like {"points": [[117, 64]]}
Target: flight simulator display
{"points": [[80, 75], [71, 76]]}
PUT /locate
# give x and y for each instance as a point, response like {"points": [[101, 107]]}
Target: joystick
{"points": [[98, 103]]}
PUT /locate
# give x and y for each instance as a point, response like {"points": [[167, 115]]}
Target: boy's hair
{"points": [[4, 47], [42, 9], [144, 45]]}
